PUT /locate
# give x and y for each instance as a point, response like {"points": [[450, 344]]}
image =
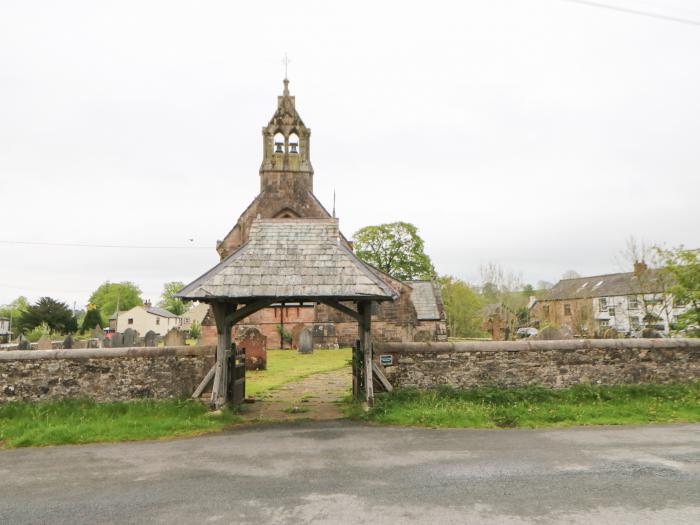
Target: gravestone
{"points": [[306, 342], [68, 342], [23, 344], [150, 338], [174, 337], [130, 338], [44, 343], [550, 333], [255, 345], [82, 343], [117, 341]]}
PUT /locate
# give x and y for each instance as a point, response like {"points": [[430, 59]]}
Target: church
{"points": [[286, 193]]}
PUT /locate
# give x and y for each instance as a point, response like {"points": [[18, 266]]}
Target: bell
{"points": [[278, 147], [293, 147]]}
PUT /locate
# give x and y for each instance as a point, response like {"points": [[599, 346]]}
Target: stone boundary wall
{"points": [[555, 364], [109, 374]]}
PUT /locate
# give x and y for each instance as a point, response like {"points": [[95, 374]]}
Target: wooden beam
{"points": [[207, 379], [379, 373], [341, 308], [365, 310], [249, 309], [223, 327]]}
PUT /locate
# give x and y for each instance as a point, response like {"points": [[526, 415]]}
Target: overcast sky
{"points": [[538, 134]]}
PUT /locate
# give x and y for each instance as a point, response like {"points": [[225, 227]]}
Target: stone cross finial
{"points": [[286, 60]]}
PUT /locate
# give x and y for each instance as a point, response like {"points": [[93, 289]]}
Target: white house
{"points": [[147, 317], [624, 302], [4, 328], [195, 314]]}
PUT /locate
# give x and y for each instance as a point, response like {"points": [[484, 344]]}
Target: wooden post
{"points": [[223, 328], [365, 329]]}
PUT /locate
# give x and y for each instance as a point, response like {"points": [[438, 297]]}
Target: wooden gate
{"points": [[236, 374]]}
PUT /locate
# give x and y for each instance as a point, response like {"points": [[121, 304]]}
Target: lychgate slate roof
{"points": [[290, 259], [614, 284], [424, 297]]}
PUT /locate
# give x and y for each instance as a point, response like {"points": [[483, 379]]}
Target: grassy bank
{"points": [[64, 422], [534, 407], [285, 366]]}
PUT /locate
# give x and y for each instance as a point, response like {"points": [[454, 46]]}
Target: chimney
{"points": [[639, 267], [147, 303]]}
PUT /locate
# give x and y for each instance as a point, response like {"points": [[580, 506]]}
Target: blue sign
{"points": [[386, 359]]}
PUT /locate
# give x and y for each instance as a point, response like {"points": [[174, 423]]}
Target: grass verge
{"points": [[536, 407], [285, 366], [24, 424]]}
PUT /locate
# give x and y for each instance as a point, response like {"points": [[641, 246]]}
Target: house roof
{"points": [[649, 281], [425, 301], [290, 259], [160, 311]]}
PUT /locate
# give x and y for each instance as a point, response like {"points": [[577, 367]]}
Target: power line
{"points": [[636, 12], [88, 245]]}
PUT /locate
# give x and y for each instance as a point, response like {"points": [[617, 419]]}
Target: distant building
{"points": [[145, 318], [625, 302], [196, 314]]}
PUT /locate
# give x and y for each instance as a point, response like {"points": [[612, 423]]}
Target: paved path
{"points": [[340, 472], [315, 397]]}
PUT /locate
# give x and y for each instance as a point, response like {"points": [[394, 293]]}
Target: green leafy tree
{"points": [[168, 300], [683, 267], [14, 311], [462, 307], [109, 296], [396, 249], [195, 330], [57, 316], [92, 318]]}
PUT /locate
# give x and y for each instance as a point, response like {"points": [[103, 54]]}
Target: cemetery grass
{"points": [[535, 407], [286, 366], [24, 424]]}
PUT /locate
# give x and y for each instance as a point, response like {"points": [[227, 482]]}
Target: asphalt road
{"points": [[340, 472]]}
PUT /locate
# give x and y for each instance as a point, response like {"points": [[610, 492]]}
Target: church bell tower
{"points": [[286, 161]]}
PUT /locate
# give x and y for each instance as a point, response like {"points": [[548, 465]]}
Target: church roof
{"points": [[425, 300], [298, 259]]}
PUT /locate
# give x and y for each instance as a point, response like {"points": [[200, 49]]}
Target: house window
{"points": [[567, 309], [130, 320], [611, 311], [603, 323], [633, 302], [602, 304], [157, 320]]}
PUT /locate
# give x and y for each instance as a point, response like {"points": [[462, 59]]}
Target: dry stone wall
{"points": [[119, 374], [556, 364]]}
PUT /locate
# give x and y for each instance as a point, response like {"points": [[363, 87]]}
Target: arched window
{"points": [[293, 143], [279, 143]]}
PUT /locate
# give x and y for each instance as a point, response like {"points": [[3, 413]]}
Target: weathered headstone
{"points": [[255, 345], [150, 338], [44, 343], [68, 342], [116, 341], [306, 342], [130, 338], [82, 343], [22, 344], [174, 337], [550, 333]]}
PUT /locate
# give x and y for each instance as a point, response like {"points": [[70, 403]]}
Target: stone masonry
{"points": [[555, 364], [121, 374]]}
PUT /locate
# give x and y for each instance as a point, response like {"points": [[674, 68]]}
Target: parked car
{"points": [[525, 332]]}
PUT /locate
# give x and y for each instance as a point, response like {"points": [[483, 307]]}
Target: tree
{"points": [[110, 296], [13, 311], [462, 307], [168, 300], [57, 316], [570, 274], [396, 249], [682, 266], [92, 318]]}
